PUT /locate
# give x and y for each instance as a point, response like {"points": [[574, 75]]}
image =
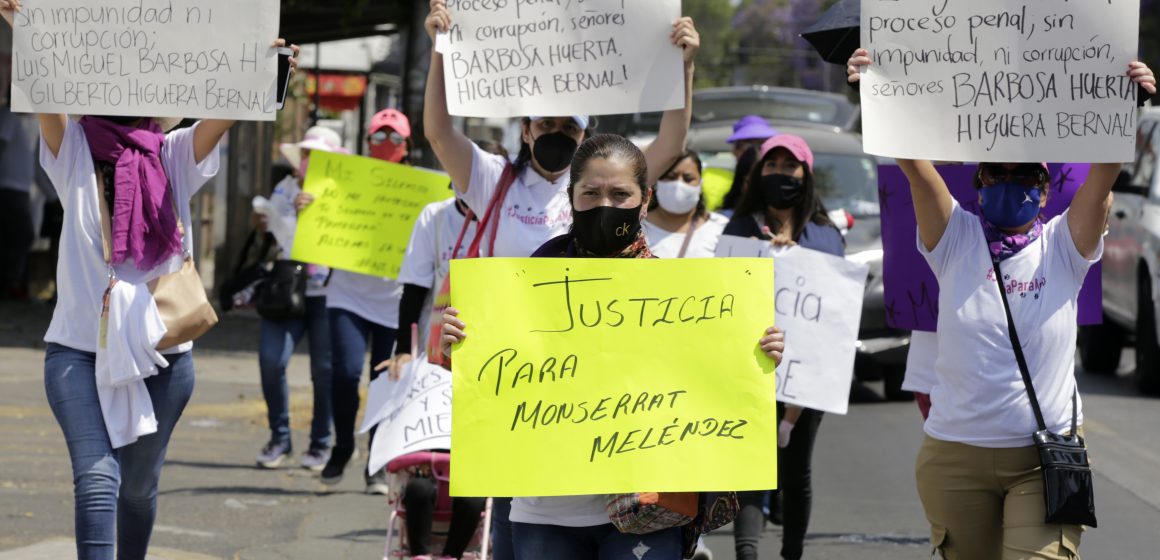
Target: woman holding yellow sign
{"points": [[530, 195], [609, 199], [364, 311]]}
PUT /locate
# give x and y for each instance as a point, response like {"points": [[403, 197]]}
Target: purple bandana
{"points": [[1004, 245]]}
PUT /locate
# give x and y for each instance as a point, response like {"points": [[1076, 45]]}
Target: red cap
{"points": [[796, 146], [390, 118]]}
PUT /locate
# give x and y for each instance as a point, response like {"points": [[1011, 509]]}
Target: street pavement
{"points": [[215, 504]]}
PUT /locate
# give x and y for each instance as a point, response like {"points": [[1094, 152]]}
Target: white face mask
{"points": [[677, 197]]}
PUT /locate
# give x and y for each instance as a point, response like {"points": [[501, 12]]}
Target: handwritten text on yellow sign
{"points": [[596, 376], [363, 212]]}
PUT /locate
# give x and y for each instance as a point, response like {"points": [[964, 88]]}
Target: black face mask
{"points": [[554, 151], [605, 230], [782, 191]]}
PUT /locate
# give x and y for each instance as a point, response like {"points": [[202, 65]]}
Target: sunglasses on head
{"points": [[380, 136], [1027, 176]]}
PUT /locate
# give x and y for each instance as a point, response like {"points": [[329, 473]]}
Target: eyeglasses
{"points": [[380, 136], [1027, 176]]}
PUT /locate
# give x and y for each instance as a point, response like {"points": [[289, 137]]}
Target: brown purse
{"points": [[180, 295]]}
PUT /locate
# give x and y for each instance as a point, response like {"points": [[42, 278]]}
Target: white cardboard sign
{"points": [[818, 300], [514, 58], [1000, 80], [413, 414], [163, 58]]}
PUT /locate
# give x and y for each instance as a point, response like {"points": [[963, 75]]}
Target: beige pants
{"points": [[987, 504]]}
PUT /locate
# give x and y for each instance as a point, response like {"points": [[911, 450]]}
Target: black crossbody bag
{"points": [[1067, 475]]}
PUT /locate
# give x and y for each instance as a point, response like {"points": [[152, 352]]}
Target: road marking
{"points": [[184, 532]]}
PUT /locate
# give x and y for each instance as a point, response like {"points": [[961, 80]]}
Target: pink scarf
{"points": [[144, 226]]}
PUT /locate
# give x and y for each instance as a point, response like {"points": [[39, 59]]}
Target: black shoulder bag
{"points": [[239, 289], [282, 296], [1067, 474]]}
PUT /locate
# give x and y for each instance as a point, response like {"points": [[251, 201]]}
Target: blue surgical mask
{"points": [[1009, 205]]}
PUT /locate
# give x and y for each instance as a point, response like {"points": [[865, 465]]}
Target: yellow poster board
{"points": [[598, 376], [363, 212], [715, 183]]}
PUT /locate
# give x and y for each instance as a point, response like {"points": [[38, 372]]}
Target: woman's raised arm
{"points": [[454, 150], [51, 124], [932, 199], [674, 131]]}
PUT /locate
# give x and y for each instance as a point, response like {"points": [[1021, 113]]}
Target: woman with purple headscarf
{"points": [[144, 176], [1009, 282]]}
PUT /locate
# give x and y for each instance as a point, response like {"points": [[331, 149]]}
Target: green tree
{"points": [[714, 20]]}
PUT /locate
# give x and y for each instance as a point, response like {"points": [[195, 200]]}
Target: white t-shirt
{"points": [[428, 258], [282, 203], [667, 245], [565, 511], [533, 212], [370, 297], [82, 274], [979, 398], [920, 361]]}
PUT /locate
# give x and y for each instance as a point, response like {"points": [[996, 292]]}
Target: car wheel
{"points": [[1100, 347], [1147, 349], [892, 384]]}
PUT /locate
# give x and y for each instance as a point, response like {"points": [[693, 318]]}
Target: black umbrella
{"points": [[836, 34]]}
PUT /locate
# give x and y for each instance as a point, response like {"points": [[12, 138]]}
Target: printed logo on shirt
{"points": [[1014, 286], [530, 216]]}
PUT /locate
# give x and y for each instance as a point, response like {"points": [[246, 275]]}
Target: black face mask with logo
{"points": [[554, 151], [782, 191], [605, 230]]}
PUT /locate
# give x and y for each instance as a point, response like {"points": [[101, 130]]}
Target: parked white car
{"points": [[1131, 266]]}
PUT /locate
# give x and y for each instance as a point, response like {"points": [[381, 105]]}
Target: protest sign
{"points": [[818, 298], [514, 58], [600, 376], [715, 185], [911, 290], [171, 58], [995, 80], [413, 414], [363, 212]]}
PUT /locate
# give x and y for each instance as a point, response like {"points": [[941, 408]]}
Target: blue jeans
{"points": [[350, 335], [602, 542], [115, 489], [501, 529], [277, 344]]}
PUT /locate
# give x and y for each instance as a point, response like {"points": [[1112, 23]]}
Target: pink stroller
{"points": [[437, 465]]}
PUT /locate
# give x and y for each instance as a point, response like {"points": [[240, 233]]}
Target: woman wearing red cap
{"points": [[364, 311], [979, 476], [781, 204]]}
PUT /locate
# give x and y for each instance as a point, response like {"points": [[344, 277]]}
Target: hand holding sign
{"points": [[207, 59], [1034, 80], [8, 9], [612, 364], [551, 58]]}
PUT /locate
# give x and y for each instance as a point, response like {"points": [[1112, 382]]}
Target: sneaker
{"points": [[273, 454], [377, 484], [332, 472], [315, 459]]}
